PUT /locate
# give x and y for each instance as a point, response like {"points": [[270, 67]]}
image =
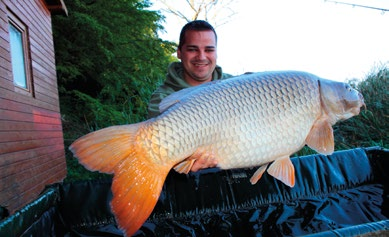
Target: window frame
{"points": [[22, 28]]}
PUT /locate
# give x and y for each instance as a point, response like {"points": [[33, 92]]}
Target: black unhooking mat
{"points": [[345, 194]]}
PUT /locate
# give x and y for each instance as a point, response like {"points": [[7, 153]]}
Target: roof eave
{"points": [[57, 7]]}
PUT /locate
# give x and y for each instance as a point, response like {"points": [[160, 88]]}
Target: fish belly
{"points": [[244, 122]]}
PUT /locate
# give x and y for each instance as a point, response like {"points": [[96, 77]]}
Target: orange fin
{"points": [[136, 188], [137, 181], [283, 170], [104, 149], [321, 137], [201, 159], [184, 166], [258, 174]]}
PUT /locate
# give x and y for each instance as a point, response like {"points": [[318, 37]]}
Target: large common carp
{"points": [[245, 121]]}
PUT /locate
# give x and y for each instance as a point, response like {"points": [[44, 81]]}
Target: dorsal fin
{"points": [[181, 95]]}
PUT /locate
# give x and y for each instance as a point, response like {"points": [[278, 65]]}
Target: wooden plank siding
{"points": [[32, 152]]}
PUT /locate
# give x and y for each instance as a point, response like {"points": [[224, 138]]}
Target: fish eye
{"points": [[348, 87]]}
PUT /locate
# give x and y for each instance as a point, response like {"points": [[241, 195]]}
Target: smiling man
{"points": [[197, 51], [198, 55]]}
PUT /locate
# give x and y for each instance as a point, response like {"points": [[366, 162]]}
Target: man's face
{"points": [[198, 55]]}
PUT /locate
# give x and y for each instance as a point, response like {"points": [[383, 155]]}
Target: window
{"points": [[19, 55]]}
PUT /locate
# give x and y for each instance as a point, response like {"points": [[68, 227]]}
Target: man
{"points": [[197, 51]]}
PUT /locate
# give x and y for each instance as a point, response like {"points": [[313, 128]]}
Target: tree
{"points": [[109, 60], [217, 12]]}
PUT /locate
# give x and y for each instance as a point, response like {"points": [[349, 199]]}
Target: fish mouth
{"points": [[362, 101], [359, 104], [353, 107]]}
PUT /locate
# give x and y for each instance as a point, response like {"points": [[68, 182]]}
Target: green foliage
{"points": [[110, 58]]}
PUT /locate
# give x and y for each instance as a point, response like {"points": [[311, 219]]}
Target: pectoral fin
{"points": [[258, 174], [321, 137], [201, 159], [283, 170], [184, 166]]}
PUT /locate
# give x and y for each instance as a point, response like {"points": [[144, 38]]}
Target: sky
{"points": [[334, 41]]}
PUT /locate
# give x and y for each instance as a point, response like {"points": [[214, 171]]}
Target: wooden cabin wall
{"points": [[31, 140]]}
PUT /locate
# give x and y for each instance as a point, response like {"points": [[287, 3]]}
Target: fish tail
{"points": [[138, 179]]}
